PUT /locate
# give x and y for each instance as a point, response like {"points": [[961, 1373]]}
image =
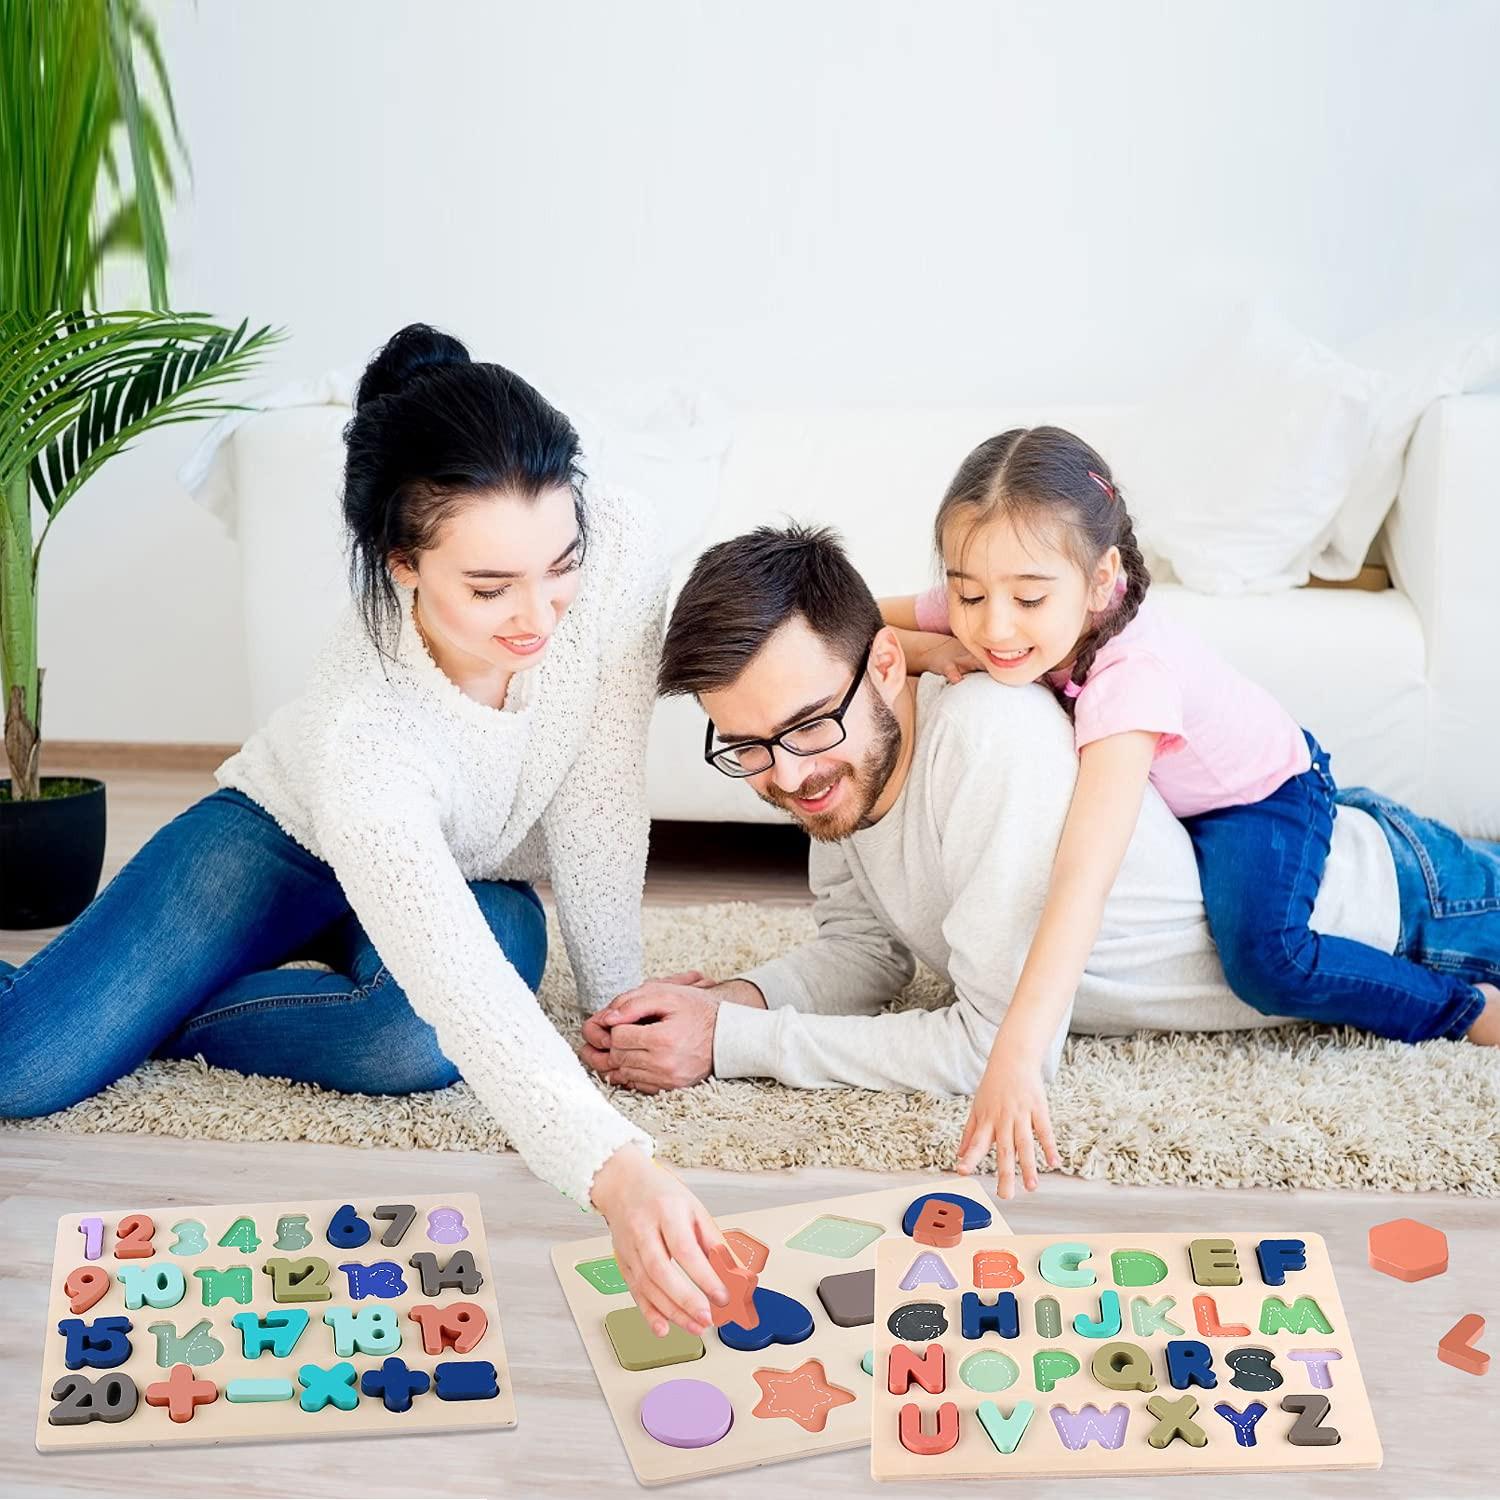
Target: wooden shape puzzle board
{"points": [[161, 1359], [1007, 1386], [815, 1410]]}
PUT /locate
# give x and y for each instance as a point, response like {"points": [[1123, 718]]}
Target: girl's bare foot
{"points": [[1486, 1030]]}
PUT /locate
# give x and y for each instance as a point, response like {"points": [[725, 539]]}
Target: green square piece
{"points": [[637, 1348], [603, 1275], [829, 1234]]}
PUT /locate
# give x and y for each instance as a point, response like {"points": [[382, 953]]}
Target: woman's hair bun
{"points": [[416, 348]]}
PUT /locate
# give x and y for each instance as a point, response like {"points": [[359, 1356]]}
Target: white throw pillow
{"points": [[664, 442], [1426, 362], [1252, 458]]}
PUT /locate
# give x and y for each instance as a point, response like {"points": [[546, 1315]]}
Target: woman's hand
{"points": [[654, 1221], [1009, 1109]]}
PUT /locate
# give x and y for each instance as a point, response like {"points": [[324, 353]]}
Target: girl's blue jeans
{"points": [[1261, 866], [178, 956]]}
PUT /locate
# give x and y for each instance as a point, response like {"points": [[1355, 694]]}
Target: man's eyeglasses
{"points": [[811, 737]]}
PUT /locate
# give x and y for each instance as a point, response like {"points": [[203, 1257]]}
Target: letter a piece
{"points": [[928, 1445], [928, 1269]]}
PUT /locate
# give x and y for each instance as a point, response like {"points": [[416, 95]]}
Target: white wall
{"points": [[830, 199]]}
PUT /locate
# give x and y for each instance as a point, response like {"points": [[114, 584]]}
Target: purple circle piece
{"points": [[686, 1413]]}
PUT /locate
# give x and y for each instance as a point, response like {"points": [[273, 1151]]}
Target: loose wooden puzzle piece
{"points": [[1456, 1347], [1033, 1356], [740, 1284], [1408, 1249], [794, 1382], [308, 1319]]}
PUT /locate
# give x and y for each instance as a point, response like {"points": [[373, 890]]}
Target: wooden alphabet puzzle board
{"points": [[1037, 1356], [795, 1385], [311, 1318]]}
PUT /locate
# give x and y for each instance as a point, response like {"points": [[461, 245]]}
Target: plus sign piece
{"points": [[313, 1318], [782, 1372]]}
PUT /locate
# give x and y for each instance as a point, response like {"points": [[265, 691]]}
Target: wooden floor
{"points": [[1436, 1422]]}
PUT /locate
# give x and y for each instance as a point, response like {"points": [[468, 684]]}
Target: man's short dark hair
{"points": [[742, 591]]}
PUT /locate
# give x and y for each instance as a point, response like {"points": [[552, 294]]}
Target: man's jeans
{"points": [[1261, 866], [177, 956]]}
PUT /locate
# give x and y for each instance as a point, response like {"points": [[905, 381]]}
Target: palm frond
{"points": [[77, 389]]}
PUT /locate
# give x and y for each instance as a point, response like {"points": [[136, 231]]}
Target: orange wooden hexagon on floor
{"points": [[805, 1394], [1408, 1249]]}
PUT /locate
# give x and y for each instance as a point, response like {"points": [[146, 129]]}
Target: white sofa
{"points": [[1402, 686]]}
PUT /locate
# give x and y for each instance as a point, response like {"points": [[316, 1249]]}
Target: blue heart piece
{"points": [[783, 1320], [976, 1215]]}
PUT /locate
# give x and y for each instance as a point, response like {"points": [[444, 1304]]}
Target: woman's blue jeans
{"points": [[178, 956], [1261, 866]]}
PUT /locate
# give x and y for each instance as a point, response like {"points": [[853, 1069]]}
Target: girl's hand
{"points": [[946, 657], [656, 1221], [1009, 1109]]}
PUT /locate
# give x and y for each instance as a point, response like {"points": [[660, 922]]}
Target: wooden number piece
{"points": [[133, 1238], [459, 1325], [304, 1280], [400, 1216], [85, 1287], [346, 1230], [110, 1398], [459, 1274], [92, 1230], [100, 1345]]}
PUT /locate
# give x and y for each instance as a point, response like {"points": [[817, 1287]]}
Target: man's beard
{"points": [[867, 782]]}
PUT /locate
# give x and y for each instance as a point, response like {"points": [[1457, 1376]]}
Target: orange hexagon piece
{"points": [[1408, 1249]]}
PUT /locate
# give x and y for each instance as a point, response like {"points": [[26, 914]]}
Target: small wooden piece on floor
{"points": [[1456, 1347], [1408, 1249]]}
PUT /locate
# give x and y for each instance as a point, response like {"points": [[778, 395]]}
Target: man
{"points": [[935, 812]]}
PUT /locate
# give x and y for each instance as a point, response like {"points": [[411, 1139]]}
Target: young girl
{"points": [[1045, 583]]}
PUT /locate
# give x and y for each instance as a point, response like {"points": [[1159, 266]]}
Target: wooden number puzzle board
{"points": [[798, 1248], [1242, 1335], [192, 1341]]}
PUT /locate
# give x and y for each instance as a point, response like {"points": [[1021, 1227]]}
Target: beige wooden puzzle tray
{"points": [[1039, 1356], [310, 1318], [795, 1384]]}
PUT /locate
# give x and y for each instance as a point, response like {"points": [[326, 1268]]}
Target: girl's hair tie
{"points": [[1103, 483]]}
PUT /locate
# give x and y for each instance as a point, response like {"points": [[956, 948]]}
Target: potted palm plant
{"points": [[85, 160]]}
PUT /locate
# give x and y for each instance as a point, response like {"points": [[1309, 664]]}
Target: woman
{"points": [[480, 715]]}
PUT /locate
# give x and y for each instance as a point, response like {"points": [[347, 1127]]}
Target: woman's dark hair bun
{"points": [[416, 348]]}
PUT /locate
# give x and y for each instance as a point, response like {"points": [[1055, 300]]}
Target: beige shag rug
{"points": [[1293, 1106]]}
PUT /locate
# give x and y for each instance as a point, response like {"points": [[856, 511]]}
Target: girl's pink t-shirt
{"points": [[1225, 741]]}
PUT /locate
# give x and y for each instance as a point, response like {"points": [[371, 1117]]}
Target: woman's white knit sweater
{"points": [[409, 790]]}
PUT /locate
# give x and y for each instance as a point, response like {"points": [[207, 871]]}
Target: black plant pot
{"points": [[51, 853]]}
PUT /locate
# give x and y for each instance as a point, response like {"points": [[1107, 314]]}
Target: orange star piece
{"points": [[181, 1392], [740, 1285], [805, 1394], [748, 1250]]}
